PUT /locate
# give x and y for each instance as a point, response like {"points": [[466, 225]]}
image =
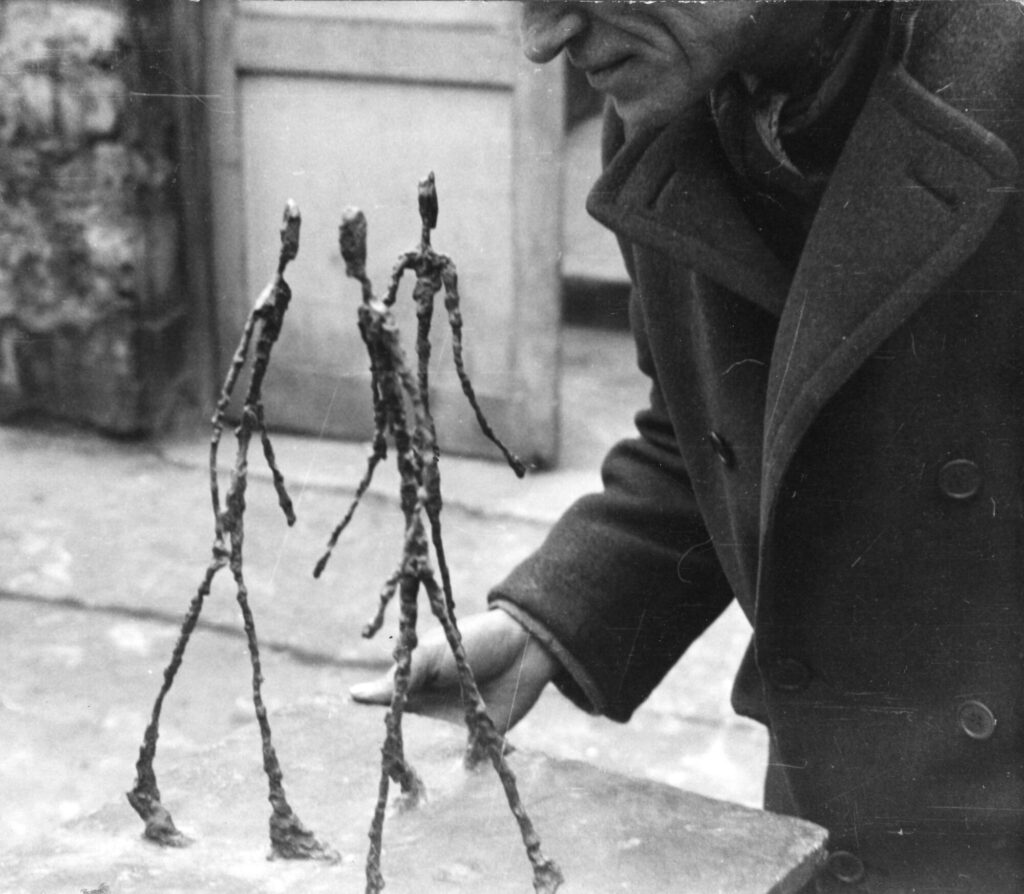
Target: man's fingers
{"points": [[443, 705], [510, 669], [422, 673], [374, 692], [440, 706]]}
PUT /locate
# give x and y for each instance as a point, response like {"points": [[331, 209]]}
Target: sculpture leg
{"points": [[289, 838], [145, 795], [393, 763], [546, 875]]}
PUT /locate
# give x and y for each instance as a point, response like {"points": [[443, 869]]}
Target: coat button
{"points": [[960, 479], [722, 449], [845, 867], [976, 719], [788, 674]]}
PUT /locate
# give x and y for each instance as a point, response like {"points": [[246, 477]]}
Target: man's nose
{"points": [[548, 25]]}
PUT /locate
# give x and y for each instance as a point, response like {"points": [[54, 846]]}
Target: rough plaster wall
{"points": [[90, 316]]}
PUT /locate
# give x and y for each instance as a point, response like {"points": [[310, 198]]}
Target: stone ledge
{"points": [[607, 832]]}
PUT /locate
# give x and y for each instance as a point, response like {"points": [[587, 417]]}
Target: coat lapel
{"points": [[918, 187], [669, 190]]}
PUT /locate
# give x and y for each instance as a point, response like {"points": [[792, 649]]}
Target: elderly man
{"points": [[819, 205]]}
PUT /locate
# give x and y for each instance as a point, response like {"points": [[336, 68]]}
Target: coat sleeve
{"points": [[627, 578]]}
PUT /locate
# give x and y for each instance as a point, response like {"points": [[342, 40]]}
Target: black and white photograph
{"points": [[494, 446]]}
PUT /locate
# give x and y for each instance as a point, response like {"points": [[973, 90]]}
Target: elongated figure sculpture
{"points": [[394, 386], [289, 838]]}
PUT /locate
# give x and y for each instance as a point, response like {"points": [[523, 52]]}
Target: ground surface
{"points": [[608, 833], [102, 545]]}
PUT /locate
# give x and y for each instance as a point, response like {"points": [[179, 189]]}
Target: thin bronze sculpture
{"points": [[395, 391], [289, 838]]}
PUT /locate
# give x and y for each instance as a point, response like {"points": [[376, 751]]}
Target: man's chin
{"points": [[640, 115]]}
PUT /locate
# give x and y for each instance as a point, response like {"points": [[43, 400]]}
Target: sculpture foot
{"points": [[160, 827], [291, 840]]}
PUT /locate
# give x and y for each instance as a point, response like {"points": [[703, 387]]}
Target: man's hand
{"points": [[510, 666]]}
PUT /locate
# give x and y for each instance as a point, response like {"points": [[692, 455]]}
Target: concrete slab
{"points": [[609, 833]]}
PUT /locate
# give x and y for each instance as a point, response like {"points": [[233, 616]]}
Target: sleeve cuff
{"points": [[573, 682]]}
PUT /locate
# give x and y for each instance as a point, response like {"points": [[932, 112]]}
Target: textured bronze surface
{"points": [[395, 390], [288, 837]]}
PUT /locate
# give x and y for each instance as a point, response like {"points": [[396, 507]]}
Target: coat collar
{"points": [[916, 190], [666, 190]]}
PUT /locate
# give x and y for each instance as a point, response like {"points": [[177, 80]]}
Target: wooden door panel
{"points": [[351, 103]]}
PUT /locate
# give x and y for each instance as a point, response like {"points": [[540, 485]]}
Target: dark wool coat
{"points": [[841, 450]]}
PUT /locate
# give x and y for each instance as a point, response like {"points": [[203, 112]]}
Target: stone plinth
{"points": [[609, 833]]}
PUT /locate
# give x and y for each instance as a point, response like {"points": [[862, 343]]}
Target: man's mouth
{"points": [[600, 73]]}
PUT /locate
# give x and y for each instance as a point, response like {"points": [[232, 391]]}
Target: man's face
{"points": [[656, 59]]}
